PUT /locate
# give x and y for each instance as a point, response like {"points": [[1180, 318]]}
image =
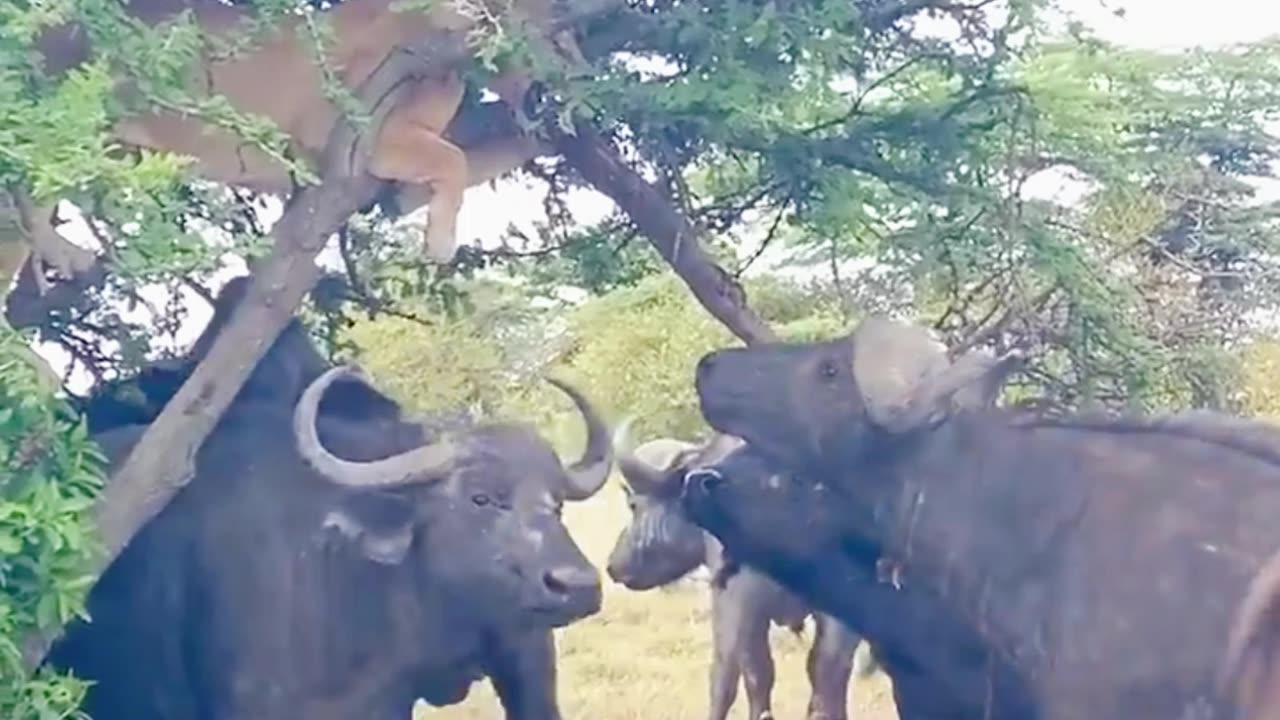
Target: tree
{"points": [[873, 143], [902, 133], [41, 165]]}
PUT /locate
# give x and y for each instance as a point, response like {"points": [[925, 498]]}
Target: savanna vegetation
{"points": [[890, 154]]}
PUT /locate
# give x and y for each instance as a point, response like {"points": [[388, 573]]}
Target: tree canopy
{"points": [[894, 153]]}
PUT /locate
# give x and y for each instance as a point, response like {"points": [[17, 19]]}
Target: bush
{"points": [[50, 475], [632, 350]]}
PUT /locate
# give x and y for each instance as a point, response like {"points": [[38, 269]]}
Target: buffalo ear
{"points": [[891, 361], [981, 385], [378, 523]]}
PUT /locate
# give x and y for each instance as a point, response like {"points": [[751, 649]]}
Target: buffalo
{"points": [[789, 528], [660, 545], [1250, 675], [336, 560], [1105, 559]]}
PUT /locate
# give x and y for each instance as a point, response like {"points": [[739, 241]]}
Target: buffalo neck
{"points": [[932, 499]]}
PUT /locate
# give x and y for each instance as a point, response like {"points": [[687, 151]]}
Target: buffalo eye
{"points": [[828, 369], [480, 499]]}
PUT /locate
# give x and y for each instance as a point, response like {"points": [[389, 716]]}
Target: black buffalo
{"points": [[1104, 559], [334, 560], [660, 545], [790, 529], [289, 364]]}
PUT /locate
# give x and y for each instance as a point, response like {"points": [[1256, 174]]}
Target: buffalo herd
{"points": [[335, 558]]}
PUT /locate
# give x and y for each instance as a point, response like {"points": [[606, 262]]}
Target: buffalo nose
{"points": [[616, 573], [705, 479], [572, 582]]}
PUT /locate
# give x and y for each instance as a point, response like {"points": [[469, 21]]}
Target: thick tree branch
{"points": [[671, 233]]}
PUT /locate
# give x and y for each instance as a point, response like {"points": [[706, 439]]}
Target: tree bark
{"points": [[674, 236]]}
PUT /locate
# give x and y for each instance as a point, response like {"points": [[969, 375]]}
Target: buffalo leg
{"points": [[725, 641], [755, 658], [829, 665], [523, 672]]}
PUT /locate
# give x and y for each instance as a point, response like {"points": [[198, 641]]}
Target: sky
{"points": [[487, 211]]}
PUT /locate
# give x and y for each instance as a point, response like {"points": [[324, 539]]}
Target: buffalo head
{"points": [[783, 524], [659, 545], [475, 512], [814, 405]]}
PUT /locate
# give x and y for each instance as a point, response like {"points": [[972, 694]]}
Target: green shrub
{"points": [[50, 475]]}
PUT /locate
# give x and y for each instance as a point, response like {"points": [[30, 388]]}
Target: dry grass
{"points": [[646, 655]]}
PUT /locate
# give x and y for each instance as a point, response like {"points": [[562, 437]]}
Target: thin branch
{"points": [[720, 217], [856, 108], [198, 289], [981, 337], [507, 252], [846, 300], [768, 240]]}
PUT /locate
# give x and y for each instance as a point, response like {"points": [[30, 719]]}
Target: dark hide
{"points": [[789, 528], [287, 367], [1103, 559], [660, 545], [265, 590]]}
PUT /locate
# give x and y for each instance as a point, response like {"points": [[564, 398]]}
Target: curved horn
{"points": [[412, 466], [587, 475], [890, 362], [646, 468], [641, 476]]}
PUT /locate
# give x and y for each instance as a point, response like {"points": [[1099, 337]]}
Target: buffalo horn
{"points": [[891, 360], [587, 475], [428, 461], [647, 468], [641, 477]]}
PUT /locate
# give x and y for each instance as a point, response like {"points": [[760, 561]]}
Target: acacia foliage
{"points": [[632, 350], [903, 132], [911, 137], [50, 474]]}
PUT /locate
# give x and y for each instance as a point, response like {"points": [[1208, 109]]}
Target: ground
{"points": [[646, 655]]}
